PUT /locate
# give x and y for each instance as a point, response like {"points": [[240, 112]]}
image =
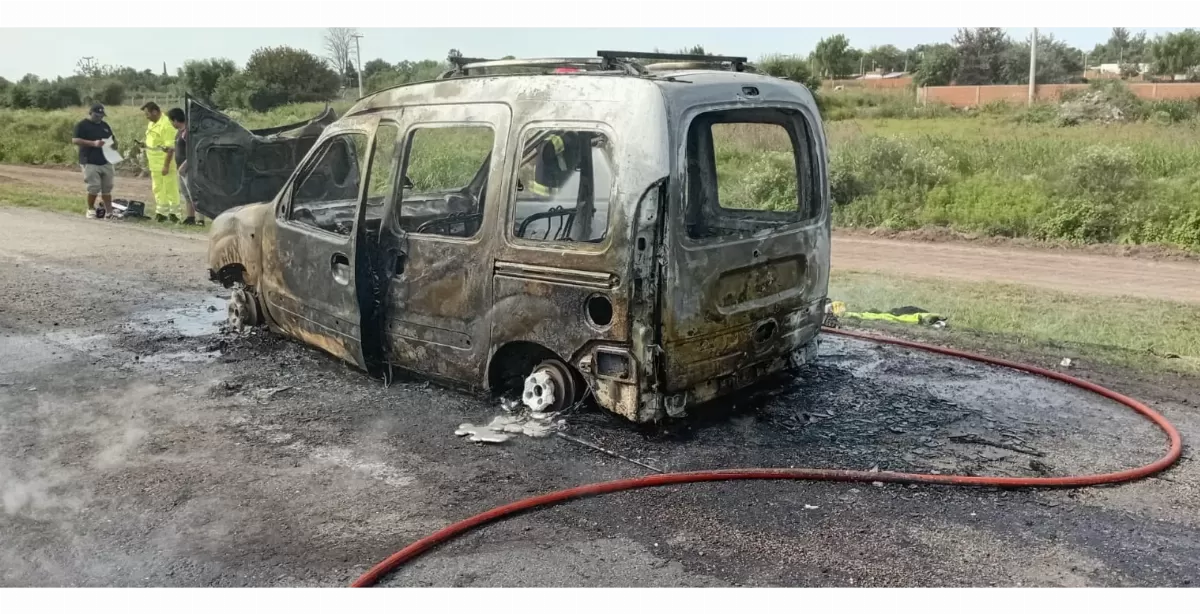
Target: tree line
{"points": [[989, 56], [275, 76]]}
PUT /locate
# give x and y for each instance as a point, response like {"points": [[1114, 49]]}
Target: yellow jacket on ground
{"points": [[160, 135]]}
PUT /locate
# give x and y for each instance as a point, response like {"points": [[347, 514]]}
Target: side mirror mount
{"points": [[406, 182]]}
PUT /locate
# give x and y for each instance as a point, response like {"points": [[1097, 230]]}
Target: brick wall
{"points": [[974, 95]]}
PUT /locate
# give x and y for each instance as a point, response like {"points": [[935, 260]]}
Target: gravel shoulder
{"points": [[140, 446]]}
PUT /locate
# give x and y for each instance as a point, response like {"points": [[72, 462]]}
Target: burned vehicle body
{"points": [[564, 233]]}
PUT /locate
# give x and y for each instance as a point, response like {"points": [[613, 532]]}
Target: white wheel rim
{"points": [[539, 390]]}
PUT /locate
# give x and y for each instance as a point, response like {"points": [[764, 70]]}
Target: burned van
{"points": [[654, 235]]}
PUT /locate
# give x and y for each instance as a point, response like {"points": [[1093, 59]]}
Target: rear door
{"points": [[229, 165], [749, 249]]}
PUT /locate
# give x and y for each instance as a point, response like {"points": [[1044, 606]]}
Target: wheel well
{"points": [[230, 274], [512, 362]]}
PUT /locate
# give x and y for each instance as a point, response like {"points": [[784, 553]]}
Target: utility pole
{"points": [[1032, 66], [358, 58]]}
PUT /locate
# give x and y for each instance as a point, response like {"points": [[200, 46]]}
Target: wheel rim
{"points": [[549, 388], [241, 310]]}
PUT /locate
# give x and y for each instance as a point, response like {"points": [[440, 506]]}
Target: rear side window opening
{"points": [[748, 170]]}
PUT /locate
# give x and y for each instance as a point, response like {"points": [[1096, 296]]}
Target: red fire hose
{"points": [[1175, 449]]}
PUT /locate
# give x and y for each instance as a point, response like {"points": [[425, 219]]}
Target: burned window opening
{"points": [[748, 170], [327, 196], [563, 187], [445, 180]]}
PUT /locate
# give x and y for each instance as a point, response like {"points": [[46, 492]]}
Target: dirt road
{"points": [[139, 446], [1069, 272]]}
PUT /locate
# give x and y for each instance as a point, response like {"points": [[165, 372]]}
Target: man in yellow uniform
{"points": [[164, 177], [558, 158]]}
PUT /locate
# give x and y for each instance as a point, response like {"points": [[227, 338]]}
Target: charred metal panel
{"points": [[731, 302], [236, 240], [309, 286], [550, 307], [439, 288], [301, 294], [542, 288], [436, 322], [230, 165]]}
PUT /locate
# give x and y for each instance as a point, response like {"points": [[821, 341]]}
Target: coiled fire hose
{"points": [[1175, 449]]}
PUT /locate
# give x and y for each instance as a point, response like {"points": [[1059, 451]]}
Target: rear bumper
{"points": [[676, 404], [624, 396], [700, 360]]}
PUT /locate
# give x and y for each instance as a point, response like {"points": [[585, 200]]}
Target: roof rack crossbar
{"points": [[737, 63], [464, 66], [622, 61]]}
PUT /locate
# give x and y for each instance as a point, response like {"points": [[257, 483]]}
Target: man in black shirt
{"points": [[91, 135], [179, 121]]}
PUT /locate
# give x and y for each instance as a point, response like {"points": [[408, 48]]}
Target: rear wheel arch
{"points": [[235, 257], [231, 274], [512, 361], [512, 364]]}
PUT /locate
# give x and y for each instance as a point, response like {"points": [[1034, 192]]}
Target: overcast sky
{"points": [[150, 48]]}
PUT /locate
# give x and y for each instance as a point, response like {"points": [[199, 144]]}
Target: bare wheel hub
{"points": [[242, 312], [549, 388]]}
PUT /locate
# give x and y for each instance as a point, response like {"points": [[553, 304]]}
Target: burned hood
{"points": [[230, 165]]}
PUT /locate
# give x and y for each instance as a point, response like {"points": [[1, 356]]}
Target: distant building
{"points": [[1115, 69], [883, 75]]}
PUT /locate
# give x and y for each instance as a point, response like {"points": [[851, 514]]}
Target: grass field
{"points": [[893, 165], [1142, 333]]}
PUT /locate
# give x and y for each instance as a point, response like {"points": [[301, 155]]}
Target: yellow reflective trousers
{"points": [[160, 135]]}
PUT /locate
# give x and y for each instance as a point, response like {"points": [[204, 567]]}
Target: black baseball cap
{"points": [[98, 108]]}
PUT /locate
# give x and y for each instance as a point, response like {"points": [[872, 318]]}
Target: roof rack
{"points": [[736, 63], [624, 62]]}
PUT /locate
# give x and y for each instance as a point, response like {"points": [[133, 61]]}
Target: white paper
{"points": [[110, 153]]}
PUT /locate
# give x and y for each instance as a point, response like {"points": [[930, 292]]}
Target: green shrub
{"points": [[111, 93], [794, 68], [49, 97], [1104, 172], [1174, 111], [1079, 219], [19, 97], [1038, 113]]}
